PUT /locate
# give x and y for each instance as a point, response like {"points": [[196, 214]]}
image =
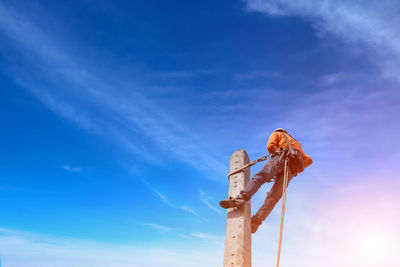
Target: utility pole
{"points": [[238, 221]]}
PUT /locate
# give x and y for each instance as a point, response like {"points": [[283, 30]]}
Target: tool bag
{"points": [[296, 162]]}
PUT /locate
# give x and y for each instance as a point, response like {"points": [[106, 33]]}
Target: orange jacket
{"points": [[277, 141]]}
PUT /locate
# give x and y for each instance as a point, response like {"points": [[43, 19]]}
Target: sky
{"points": [[118, 119]]}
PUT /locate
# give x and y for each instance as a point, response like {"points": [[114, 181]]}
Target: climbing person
{"points": [[281, 145]]}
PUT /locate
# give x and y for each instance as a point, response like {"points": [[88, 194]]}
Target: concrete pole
{"points": [[238, 222]]}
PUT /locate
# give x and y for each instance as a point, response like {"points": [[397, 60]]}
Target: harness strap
{"points": [[287, 140]]}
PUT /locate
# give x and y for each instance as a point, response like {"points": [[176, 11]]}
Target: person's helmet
{"points": [[281, 130]]}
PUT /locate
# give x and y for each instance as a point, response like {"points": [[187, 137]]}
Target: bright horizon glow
{"points": [[375, 246]]}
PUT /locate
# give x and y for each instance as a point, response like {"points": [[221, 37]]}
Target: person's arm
{"points": [[273, 142]]}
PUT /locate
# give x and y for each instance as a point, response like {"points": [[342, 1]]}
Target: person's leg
{"points": [[271, 169], [273, 196]]}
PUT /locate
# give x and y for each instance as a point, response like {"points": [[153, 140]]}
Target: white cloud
{"points": [[206, 200], [71, 169], [160, 227], [34, 250], [164, 199], [158, 193], [188, 209], [257, 75], [100, 103], [364, 24], [173, 75], [207, 236]]}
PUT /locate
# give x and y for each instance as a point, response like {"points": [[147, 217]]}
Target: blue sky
{"points": [[118, 119]]}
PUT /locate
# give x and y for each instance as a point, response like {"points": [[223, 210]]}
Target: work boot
{"points": [[235, 202], [255, 223]]}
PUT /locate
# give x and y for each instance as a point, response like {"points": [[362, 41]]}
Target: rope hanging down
{"points": [[250, 164], [284, 190], [285, 185]]}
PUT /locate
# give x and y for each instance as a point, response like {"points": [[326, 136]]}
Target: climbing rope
{"points": [[285, 184], [250, 164]]}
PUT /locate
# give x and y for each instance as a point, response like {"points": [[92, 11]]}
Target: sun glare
{"points": [[375, 247]]}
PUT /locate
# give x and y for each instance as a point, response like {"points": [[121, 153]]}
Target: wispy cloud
{"points": [[158, 193], [71, 169], [361, 24], [199, 235], [206, 200], [98, 102], [164, 199], [43, 250], [257, 74], [183, 74], [188, 209], [160, 227], [207, 236], [173, 74]]}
